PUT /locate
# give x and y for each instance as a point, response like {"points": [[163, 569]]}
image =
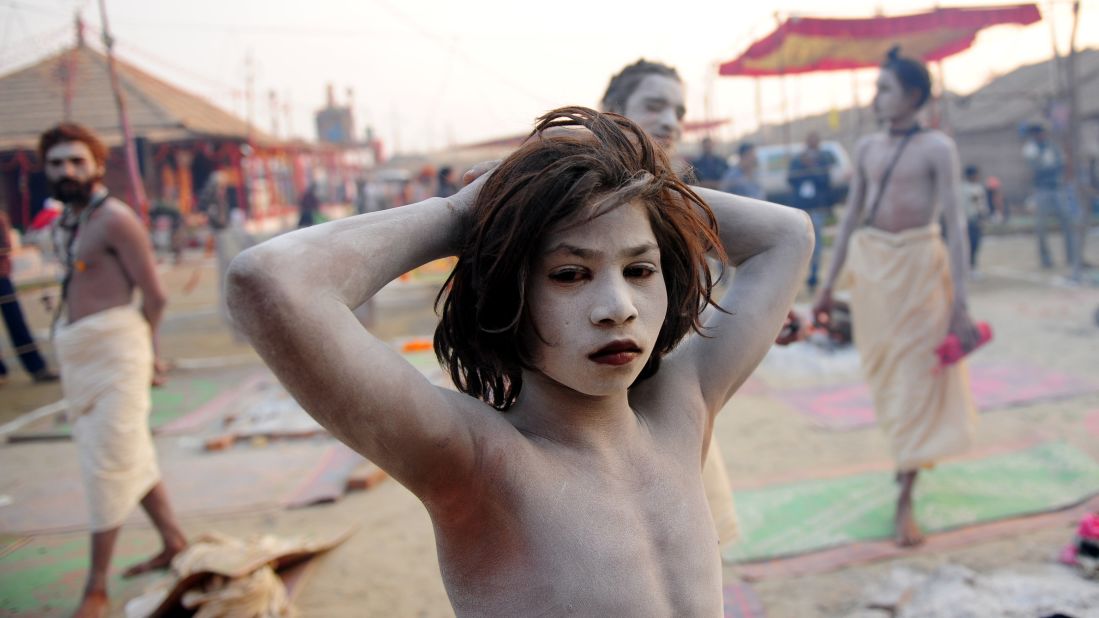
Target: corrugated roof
{"points": [[32, 100], [1021, 96]]}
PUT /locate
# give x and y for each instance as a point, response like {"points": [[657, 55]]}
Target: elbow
{"points": [[802, 236], [247, 284], [156, 302]]}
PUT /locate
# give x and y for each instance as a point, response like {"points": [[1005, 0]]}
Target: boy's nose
{"points": [[615, 305]]}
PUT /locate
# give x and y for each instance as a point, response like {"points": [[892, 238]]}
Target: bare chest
{"points": [[99, 279], [634, 542], [904, 184]]}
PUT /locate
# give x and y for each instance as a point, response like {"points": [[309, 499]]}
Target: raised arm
{"points": [[769, 245], [292, 296]]}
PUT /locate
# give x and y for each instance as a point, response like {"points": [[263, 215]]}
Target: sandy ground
{"points": [[389, 567]]}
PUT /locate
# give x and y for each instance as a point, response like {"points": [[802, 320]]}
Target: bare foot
{"points": [[159, 562], [906, 531], [93, 605]]}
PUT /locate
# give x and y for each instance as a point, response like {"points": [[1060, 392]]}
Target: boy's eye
{"points": [[570, 275], [640, 272]]}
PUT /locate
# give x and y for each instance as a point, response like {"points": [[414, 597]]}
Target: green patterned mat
{"points": [[44, 575], [179, 396], [785, 520]]}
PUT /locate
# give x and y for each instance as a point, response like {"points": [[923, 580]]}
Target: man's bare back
{"points": [[911, 198]]}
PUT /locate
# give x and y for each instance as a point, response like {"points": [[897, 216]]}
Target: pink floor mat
{"points": [[849, 406]]}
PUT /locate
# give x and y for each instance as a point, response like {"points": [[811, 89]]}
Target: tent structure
{"points": [[181, 140], [807, 44]]}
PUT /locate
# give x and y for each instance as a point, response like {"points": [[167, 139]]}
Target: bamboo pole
{"points": [[137, 186]]}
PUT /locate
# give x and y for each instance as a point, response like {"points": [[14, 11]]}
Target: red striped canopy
{"points": [[806, 44]]}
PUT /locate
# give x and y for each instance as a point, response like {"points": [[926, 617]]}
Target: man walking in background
{"points": [[106, 349], [908, 290], [1047, 168]]}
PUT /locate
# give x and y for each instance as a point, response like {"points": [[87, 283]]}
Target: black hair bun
{"points": [[894, 53]]}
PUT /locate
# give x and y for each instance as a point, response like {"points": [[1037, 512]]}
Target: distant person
{"points": [[994, 193], [22, 341], [445, 185], [709, 168], [422, 186], [651, 95], [974, 201], [362, 196], [106, 347], [810, 179], [308, 207], [908, 289], [1051, 199], [562, 473], [743, 178], [214, 201]]}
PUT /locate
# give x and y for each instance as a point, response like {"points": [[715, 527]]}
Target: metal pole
{"points": [[1077, 176], [137, 187]]}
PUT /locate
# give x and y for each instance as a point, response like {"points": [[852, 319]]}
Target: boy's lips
{"points": [[619, 352]]}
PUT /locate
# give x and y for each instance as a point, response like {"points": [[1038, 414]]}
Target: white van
{"points": [[774, 161]]}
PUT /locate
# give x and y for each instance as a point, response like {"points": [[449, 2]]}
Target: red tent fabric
{"points": [[806, 44]]}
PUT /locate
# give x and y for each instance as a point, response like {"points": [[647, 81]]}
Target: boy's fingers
{"points": [[478, 170]]}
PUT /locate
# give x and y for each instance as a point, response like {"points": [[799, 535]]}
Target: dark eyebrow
{"points": [[641, 249], [591, 253], [572, 250]]}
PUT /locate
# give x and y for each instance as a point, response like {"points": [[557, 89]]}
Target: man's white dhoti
{"points": [[106, 365], [901, 295]]}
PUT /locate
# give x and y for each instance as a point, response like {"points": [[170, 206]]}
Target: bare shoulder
{"points": [[938, 142], [672, 397], [118, 217], [867, 141]]}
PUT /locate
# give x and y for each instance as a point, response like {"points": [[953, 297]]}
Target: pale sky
{"points": [[428, 73]]}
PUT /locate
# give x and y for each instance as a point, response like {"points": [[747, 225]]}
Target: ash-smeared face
{"points": [[597, 298], [657, 106], [72, 172]]}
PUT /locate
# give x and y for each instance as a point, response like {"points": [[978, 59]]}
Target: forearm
{"points": [[351, 259], [848, 226], [152, 308], [750, 227], [957, 246]]}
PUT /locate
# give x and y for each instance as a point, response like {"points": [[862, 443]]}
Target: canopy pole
{"points": [[759, 107], [782, 84], [856, 106], [941, 103], [137, 187]]}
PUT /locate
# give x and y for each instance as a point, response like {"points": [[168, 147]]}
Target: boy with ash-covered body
{"points": [[581, 269]]}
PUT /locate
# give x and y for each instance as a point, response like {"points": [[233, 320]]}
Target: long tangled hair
{"points": [[576, 165]]}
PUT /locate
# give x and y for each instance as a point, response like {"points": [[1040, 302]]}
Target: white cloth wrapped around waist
{"points": [[901, 296], [106, 366]]}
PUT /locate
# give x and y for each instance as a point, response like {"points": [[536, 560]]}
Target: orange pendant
{"points": [[80, 265]]}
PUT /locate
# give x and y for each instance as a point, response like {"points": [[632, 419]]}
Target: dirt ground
{"points": [[389, 566]]}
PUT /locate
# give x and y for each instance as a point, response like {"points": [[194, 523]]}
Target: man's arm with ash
{"points": [[947, 180], [129, 239], [852, 217]]}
